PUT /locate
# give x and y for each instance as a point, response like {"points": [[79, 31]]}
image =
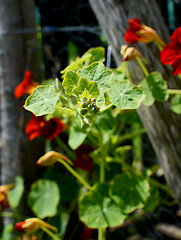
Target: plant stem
{"points": [[101, 233], [174, 91], [107, 107], [145, 71], [7, 214], [52, 235], [130, 135], [75, 174], [65, 148]]}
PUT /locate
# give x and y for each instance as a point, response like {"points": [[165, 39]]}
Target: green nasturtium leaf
{"points": [[15, 194], [118, 76], [155, 88], [7, 232], [98, 210], [43, 100], [98, 54], [44, 197], [85, 85], [70, 81], [176, 104], [77, 134], [126, 95], [77, 64], [99, 73], [130, 191], [105, 125]]}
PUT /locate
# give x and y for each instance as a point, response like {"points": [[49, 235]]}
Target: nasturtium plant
{"points": [[126, 95], [176, 104], [98, 210], [130, 191], [43, 100], [15, 194], [44, 197], [155, 88]]}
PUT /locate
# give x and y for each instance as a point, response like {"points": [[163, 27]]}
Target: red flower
{"points": [[137, 32], [83, 160], [38, 126], [171, 53], [26, 86]]}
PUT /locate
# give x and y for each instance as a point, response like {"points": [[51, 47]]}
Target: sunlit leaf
{"points": [[176, 104], [43, 100], [126, 95], [155, 88]]}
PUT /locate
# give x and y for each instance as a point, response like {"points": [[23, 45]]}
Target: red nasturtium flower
{"points": [[38, 127], [138, 32], [28, 85], [3, 196], [83, 160], [32, 224], [171, 53]]}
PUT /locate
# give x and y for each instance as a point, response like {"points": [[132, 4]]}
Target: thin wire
{"points": [[51, 29]]}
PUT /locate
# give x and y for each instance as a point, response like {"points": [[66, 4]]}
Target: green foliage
{"points": [[43, 100], [14, 195], [130, 191], [126, 95], [176, 104], [155, 88], [98, 210], [44, 198], [7, 232]]}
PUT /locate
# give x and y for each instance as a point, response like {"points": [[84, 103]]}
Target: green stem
{"points": [[107, 107], [161, 186], [174, 91], [130, 135], [75, 174], [52, 235], [65, 148], [7, 214], [102, 234], [102, 231], [145, 71]]}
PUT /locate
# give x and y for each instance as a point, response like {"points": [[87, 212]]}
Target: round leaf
{"points": [[126, 95], [176, 104], [130, 191], [43, 100], [98, 210], [44, 198]]}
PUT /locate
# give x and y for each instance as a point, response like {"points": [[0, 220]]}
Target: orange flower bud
{"points": [[130, 53], [32, 224], [51, 157]]}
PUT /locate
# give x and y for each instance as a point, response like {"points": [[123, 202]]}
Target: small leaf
{"points": [[97, 72], [90, 87], [70, 81], [42, 101], [98, 54], [77, 64], [130, 191], [16, 193], [155, 88], [126, 95], [98, 210], [44, 198], [176, 104], [77, 134]]}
